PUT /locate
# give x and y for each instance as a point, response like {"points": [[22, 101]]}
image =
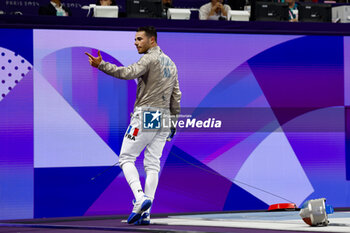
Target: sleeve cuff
{"points": [[101, 65]]}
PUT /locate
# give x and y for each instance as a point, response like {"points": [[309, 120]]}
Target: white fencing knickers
{"points": [[137, 138]]}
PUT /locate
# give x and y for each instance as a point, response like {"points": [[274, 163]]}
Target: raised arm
{"points": [[131, 72]]}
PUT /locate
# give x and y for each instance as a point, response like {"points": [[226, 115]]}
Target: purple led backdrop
{"points": [[280, 97], [16, 127]]}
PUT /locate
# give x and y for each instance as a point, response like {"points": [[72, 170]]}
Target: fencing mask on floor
{"points": [[315, 212]]}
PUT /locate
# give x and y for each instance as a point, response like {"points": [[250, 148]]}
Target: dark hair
{"points": [[149, 30], [113, 3]]}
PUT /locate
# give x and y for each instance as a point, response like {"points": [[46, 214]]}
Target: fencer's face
{"points": [[106, 2], [142, 42]]}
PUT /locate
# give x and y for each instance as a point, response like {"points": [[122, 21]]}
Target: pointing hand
{"points": [[94, 61]]}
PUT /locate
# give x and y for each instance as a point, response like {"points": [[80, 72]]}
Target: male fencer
{"points": [[157, 92]]}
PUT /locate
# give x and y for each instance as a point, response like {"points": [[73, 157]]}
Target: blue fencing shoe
{"points": [[140, 206], [144, 220]]}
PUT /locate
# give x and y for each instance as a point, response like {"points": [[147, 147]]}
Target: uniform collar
{"points": [[153, 49]]}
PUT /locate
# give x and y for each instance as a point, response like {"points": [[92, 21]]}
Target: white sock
{"points": [[133, 179], [151, 183]]}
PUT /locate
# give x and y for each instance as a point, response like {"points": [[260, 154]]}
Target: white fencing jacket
{"points": [[158, 84]]}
